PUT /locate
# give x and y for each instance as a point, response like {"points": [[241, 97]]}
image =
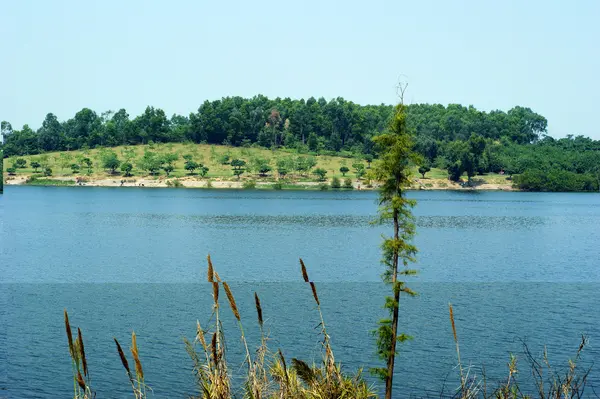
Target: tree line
{"points": [[461, 139]]}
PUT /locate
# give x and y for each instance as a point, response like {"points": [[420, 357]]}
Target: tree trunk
{"points": [[391, 359]]}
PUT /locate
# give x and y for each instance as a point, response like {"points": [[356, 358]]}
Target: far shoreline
{"points": [[244, 184]]}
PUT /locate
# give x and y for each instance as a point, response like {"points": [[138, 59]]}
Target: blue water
{"points": [[516, 266]]}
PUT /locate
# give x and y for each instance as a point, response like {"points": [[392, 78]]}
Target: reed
{"points": [[270, 376], [81, 384]]}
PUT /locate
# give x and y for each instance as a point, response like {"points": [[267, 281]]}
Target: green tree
{"points": [[47, 171], [424, 169], [126, 168], [359, 169], [202, 170], [320, 173], [11, 171], [35, 165], [348, 183], [191, 166], [344, 170], [393, 170], [168, 168], [110, 161], [368, 159], [75, 168], [150, 162], [20, 163], [336, 183], [88, 164], [238, 167]]}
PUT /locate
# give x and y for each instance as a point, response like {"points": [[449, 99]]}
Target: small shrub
{"points": [[20, 163], [348, 184], [277, 186], [336, 183], [323, 187], [249, 185], [47, 171], [174, 183]]}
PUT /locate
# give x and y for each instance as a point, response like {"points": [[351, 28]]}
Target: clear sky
{"points": [[60, 56]]}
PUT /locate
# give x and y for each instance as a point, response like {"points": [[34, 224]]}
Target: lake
{"points": [[517, 267]]}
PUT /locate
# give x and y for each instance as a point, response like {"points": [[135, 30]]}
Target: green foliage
{"points": [[110, 161], [11, 171], [344, 170], [359, 169], [88, 164], [150, 162], [396, 157], [260, 165], [190, 165], [249, 185], [202, 170], [174, 183], [348, 184], [75, 168], [556, 180], [20, 163], [336, 183], [462, 139], [323, 187], [35, 165], [168, 168], [424, 169], [126, 168], [47, 171], [224, 159], [320, 173], [238, 167]]}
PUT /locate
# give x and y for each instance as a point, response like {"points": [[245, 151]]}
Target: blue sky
{"points": [[60, 56]]}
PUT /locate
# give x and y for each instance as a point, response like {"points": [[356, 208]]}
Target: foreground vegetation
{"points": [[462, 141], [268, 374]]}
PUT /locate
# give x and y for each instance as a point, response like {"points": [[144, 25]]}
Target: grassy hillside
{"points": [[212, 157]]}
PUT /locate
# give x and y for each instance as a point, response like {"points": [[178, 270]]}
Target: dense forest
{"points": [[461, 139]]}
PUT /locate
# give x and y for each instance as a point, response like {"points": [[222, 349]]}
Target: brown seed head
{"points": [[82, 352], [304, 273], [69, 333], [200, 335], [217, 276], [122, 356], [210, 270], [452, 322], [136, 356], [80, 381], [229, 294], [314, 291], [258, 309], [216, 293], [213, 345]]}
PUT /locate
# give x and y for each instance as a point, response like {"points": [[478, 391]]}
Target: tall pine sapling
{"points": [[396, 157]]}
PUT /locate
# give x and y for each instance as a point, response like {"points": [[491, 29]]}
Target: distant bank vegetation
{"points": [[463, 141]]}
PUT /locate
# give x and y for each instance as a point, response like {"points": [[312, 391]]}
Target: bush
{"points": [[348, 184], [11, 171], [20, 163], [277, 186], [323, 187], [336, 183], [174, 183], [47, 171], [249, 185]]}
